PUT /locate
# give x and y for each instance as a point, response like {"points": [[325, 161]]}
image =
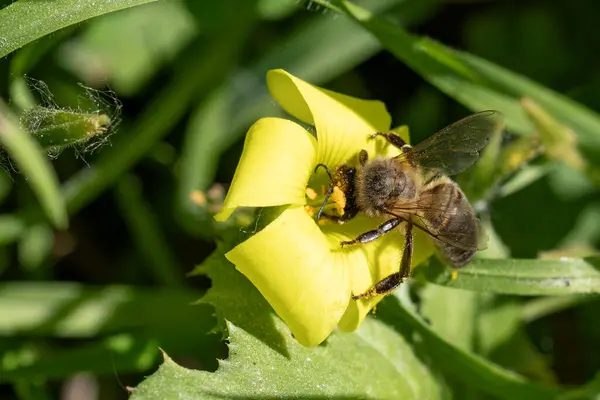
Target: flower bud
{"points": [[58, 128]]}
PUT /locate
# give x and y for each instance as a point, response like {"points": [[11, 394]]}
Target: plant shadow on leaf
{"points": [[237, 300]]}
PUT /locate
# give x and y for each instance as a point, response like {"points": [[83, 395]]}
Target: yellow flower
{"points": [[297, 264]]}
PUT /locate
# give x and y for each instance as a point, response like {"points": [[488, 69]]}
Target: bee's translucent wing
{"points": [[456, 147], [444, 213]]}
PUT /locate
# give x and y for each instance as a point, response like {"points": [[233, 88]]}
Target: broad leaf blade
{"points": [[347, 367]]}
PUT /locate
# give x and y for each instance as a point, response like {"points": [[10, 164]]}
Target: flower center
{"points": [[314, 200]]}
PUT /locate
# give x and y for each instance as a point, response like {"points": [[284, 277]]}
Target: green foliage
{"points": [[25, 21], [28, 156], [522, 277], [100, 283], [265, 361]]}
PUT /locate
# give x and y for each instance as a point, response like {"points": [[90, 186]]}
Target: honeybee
{"points": [[414, 187]]}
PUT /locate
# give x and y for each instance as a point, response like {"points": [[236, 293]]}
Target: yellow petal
{"points": [[383, 258], [277, 160], [343, 123], [291, 264]]}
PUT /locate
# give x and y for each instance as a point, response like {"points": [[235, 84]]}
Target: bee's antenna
{"points": [[327, 196], [325, 168], [329, 191]]}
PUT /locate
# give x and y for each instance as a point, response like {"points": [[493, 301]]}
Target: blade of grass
{"points": [[477, 83], [30, 158], [70, 310], [542, 307], [118, 353], [25, 21], [520, 277], [11, 228]]}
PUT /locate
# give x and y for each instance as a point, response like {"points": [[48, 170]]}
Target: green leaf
{"points": [[35, 246], [118, 353], [71, 310], [452, 313], [475, 371], [25, 21], [544, 306], [347, 367], [127, 336], [521, 277], [265, 361], [155, 34], [477, 83], [29, 157], [11, 228]]}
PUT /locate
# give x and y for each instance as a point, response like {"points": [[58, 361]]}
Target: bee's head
{"points": [[342, 183]]}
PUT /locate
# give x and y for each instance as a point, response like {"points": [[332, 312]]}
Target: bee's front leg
{"points": [[369, 236]]}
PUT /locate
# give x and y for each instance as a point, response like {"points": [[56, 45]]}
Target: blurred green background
{"points": [[182, 81]]}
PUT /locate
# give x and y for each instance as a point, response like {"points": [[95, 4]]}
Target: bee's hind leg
{"points": [[392, 281]]}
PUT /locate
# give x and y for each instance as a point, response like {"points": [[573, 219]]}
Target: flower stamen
{"points": [[311, 193]]}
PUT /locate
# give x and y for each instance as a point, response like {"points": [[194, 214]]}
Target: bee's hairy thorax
{"points": [[383, 184]]}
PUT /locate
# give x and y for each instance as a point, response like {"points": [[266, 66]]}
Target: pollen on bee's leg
{"points": [[454, 275], [310, 210], [311, 193]]}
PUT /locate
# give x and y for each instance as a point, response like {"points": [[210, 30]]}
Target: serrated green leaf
{"points": [[25, 21], [347, 367], [265, 361], [521, 277]]}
